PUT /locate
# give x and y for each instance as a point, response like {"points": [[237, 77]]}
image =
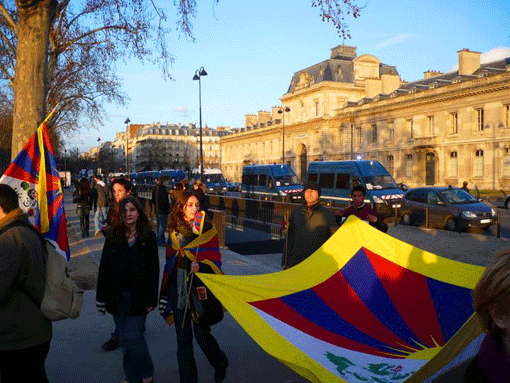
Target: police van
{"points": [[337, 178], [213, 180], [271, 182]]}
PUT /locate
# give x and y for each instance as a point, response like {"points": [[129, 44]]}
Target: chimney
{"points": [[263, 117], [431, 73], [343, 50], [250, 119], [469, 62]]}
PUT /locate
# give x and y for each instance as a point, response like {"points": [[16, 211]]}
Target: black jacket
{"points": [[141, 260], [160, 200]]}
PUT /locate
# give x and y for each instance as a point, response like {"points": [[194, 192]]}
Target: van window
{"points": [[326, 180], [262, 180], [252, 179], [312, 177], [343, 181]]}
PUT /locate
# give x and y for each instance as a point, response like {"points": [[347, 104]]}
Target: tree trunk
{"points": [[31, 65]]}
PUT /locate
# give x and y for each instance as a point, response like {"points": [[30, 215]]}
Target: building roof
{"points": [[339, 68]]}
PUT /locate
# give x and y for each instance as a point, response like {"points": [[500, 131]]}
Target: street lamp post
{"points": [[198, 75], [282, 111], [127, 125], [65, 168]]}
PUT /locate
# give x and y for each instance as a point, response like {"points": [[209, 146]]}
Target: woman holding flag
{"points": [[193, 247]]}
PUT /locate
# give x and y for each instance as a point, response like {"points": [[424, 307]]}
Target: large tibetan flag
{"points": [[34, 176], [365, 307]]}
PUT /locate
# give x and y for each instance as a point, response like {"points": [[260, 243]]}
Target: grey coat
{"points": [[22, 279], [309, 228]]}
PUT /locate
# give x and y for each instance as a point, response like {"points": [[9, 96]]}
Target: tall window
{"points": [[507, 116], [358, 130], [409, 166], [479, 163], [479, 119], [454, 123], [409, 124], [506, 162], [391, 131], [374, 133], [302, 110], [316, 108], [430, 125], [454, 163], [390, 164]]}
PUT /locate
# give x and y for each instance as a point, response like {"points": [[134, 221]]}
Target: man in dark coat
{"points": [[162, 206], [310, 225], [25, 333]]}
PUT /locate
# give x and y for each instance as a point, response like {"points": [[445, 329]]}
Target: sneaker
{"points": [[110, 345], [97, 233], [220, 374]]}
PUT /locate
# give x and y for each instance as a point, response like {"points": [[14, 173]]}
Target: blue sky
{"points": [[251, 49]]}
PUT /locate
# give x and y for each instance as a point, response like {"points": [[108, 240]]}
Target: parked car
{"points": [[234, 186], [449, 208]]}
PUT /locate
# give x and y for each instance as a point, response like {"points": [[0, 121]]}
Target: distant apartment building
{"points": [[441, 130]]}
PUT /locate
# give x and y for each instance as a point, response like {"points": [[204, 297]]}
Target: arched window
{"points": [[453, 164], [479, 163]]}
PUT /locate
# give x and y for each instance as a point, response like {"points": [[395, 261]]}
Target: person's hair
{"points": [[8, 198], [200, 185], [143, 225], [124, 182], [84, 186], [464, 183], [177, 214], [98, 176], [492, 292], [159, 180], [185, 184], [359, 188]]}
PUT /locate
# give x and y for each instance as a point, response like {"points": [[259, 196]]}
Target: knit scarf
{"points": [[10, 217]]}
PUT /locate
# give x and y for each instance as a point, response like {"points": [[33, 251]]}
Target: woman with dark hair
{"points": [[183, 258], [82, 197], [491, 301], [127, 285]]}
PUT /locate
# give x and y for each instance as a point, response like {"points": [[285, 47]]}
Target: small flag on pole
{"points": [[198, 223]]}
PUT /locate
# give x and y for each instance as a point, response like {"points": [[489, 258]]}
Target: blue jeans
{"points": [[100, 212], [206, 341], [162, 222], [137, 361]]}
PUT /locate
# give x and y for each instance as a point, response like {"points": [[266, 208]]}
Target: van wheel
{"points": [[451, 224], [406, 219]]}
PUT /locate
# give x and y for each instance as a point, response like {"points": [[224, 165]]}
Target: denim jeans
{"points": [[137, 361], [206, 341], [162, 222], [100, 212]]}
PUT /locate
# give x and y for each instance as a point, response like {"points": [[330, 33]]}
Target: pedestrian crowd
{"points": [[128, 284]]}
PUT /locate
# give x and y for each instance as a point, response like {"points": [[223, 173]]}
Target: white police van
{"points": [[337, 178]]}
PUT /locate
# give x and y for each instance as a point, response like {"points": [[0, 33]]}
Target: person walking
{"points": [[465, 186], [82, 197], [120, 189], [162, 206], [127, 285], [25, 333], [101, 203], [179, 264], [310, 225]]}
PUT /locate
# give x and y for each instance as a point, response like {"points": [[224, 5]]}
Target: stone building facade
{"points": [[440, 130], [173, 146]]}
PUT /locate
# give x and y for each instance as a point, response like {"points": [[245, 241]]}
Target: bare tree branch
{"points": [[9, 21]]}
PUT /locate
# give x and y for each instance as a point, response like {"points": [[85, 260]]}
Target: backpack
{"points": [[62, 298]]}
